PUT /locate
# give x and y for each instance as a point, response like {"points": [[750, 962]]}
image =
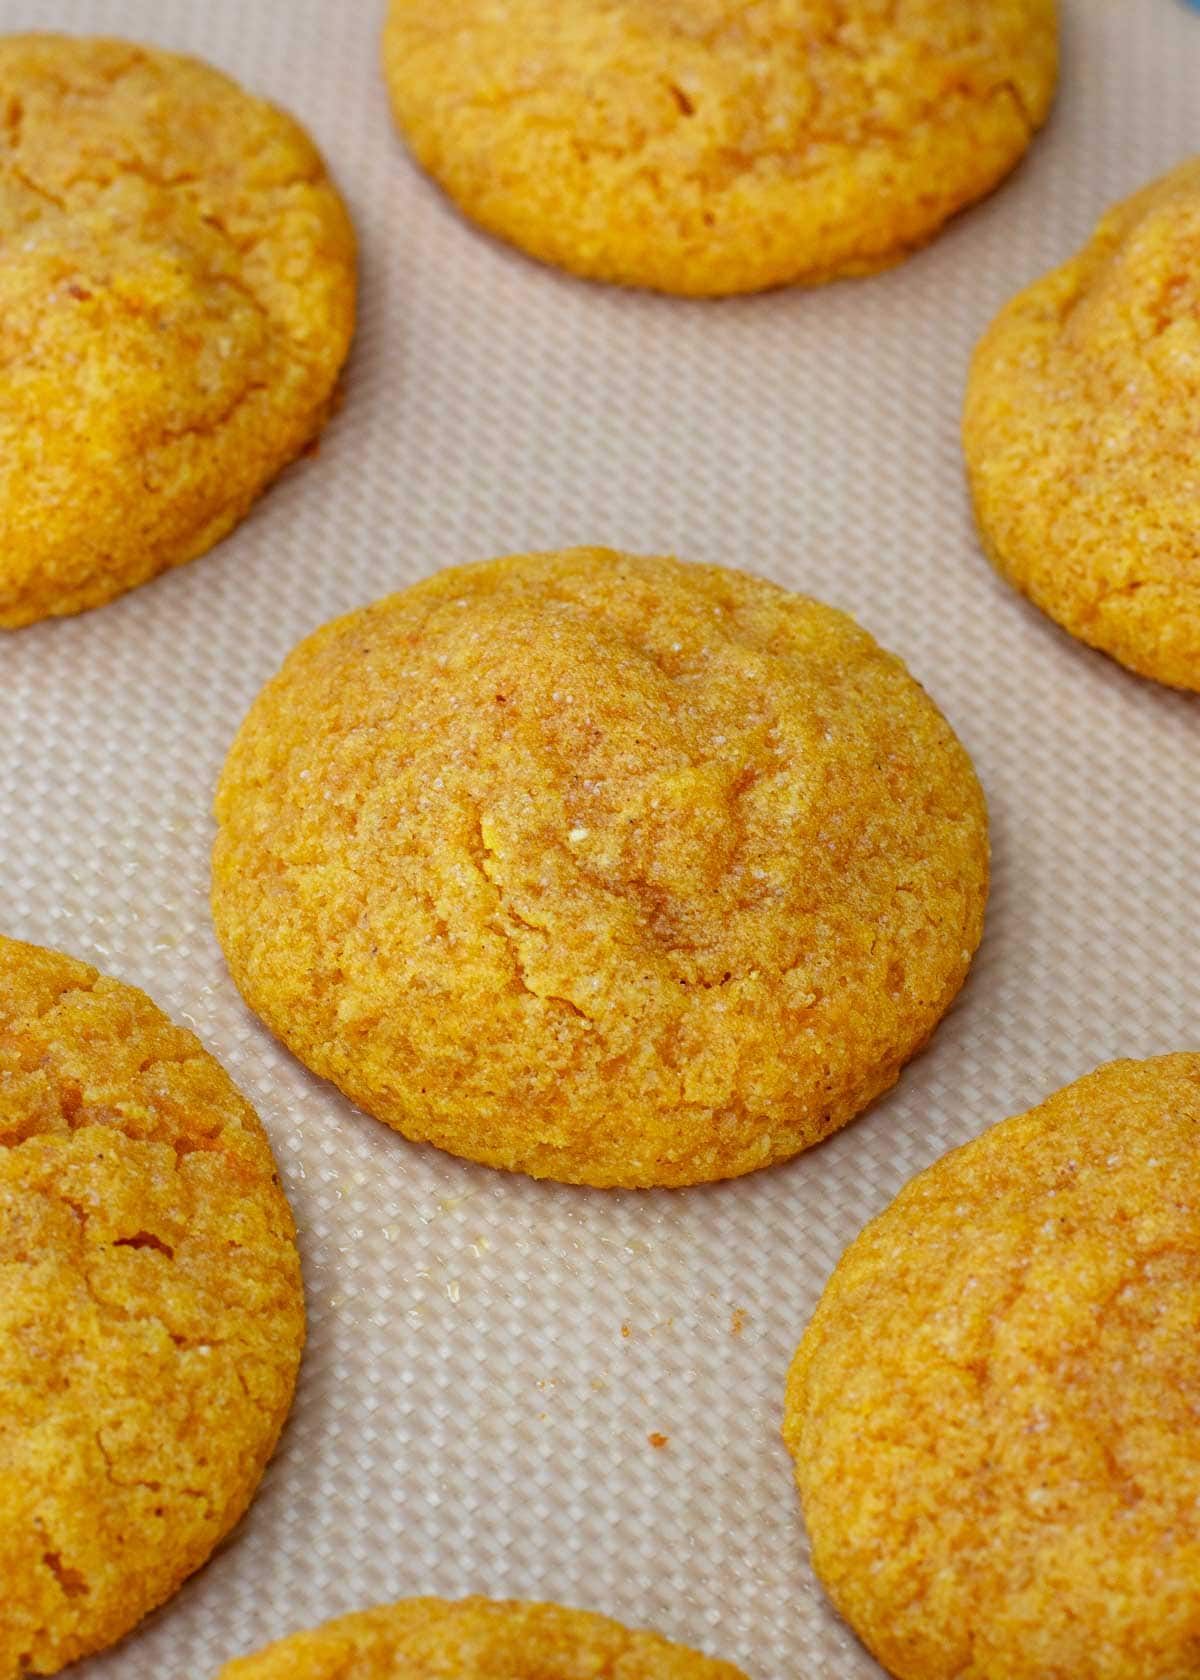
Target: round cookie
{"points": [[607, 869], [176, 299], [151, 1312], [707, 147], [993, 1412], [1080, 435], [476, 1639]]}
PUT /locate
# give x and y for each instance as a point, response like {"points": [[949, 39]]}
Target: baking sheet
{"points": [[489, 1357]]}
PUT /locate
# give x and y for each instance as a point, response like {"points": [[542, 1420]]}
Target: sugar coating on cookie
{"points": [[709, 147], [476, 1639], [151, 1312], [1080, 435], [176, 299], [993, 1412], [609, 869]]}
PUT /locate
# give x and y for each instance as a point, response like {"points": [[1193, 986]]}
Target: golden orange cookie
{"points": [[1080, 435], [151, 1313], [994, 1410], [176, 299], [709, 146], [476, 1639], [607, 869]]}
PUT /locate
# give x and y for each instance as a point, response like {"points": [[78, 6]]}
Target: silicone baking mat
{"points": [[491, 1360]]}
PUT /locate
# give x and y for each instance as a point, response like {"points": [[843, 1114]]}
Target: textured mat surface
{"points": [[489, 1357]]}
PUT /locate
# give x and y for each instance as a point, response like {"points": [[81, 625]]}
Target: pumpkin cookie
{"points": [[176, 299], [476, 1639], [607, 869], [993, 1412], [1080, 436], [709, 147], [151, 1314]]}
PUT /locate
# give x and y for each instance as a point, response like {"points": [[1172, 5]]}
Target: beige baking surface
{"points": [[489, 1356]]}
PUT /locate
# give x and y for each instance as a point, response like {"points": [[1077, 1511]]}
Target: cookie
{"points": [[151, 1313], [707, 147], [993, 1412], [608, 869], [1080, 436], [176, 299], [476, 1639]]}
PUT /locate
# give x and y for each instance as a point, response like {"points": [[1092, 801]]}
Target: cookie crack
{"points": [[13, 121], [71, 1583], [131, 1484], [979, 1368], [980, 1365], [1011, 89], [504, 908], [209, 428], [114, 1313], [145, 1239], [191, 186], [187, 183], [821, 129], [1118, 592], [33, 185], [72, 989], [72, 1106]]}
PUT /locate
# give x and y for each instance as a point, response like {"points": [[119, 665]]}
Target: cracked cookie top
{"points": [[718, 146], [176, 299], [993, 1412], [151, 1313], [476, 1639], [1080, 435], [608, 869]]}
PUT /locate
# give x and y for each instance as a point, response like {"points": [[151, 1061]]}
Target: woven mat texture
{"points": [[489, 1356]]}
